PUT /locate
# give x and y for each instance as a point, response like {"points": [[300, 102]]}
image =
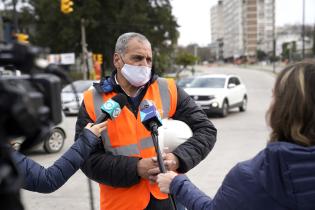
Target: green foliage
{"points": [[185, 59], [288, 50], [261, 55], [75, 75], [105, 21], [285, 51]]}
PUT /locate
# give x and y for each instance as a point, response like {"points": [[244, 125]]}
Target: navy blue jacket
{"points": [[39, 179], [281, 177]]}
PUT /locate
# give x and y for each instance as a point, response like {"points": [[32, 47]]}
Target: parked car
{"points": [[184, 82], [218, 93], [53, 143], [68, 98]]}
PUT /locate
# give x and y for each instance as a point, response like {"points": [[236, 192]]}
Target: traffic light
{"points": [[22, 38], [66, 6]]}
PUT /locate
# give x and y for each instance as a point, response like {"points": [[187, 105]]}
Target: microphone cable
{"points": [[160, 161]]}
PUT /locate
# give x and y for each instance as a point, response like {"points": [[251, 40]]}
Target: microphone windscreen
{"points": [[146, 104], [149, 113], [121, 99]]}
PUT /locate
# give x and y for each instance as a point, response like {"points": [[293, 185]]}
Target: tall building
{"points": [[247, 26], [233, 37], [265, 21], [217, 27], [217, 21], [250, 28]]}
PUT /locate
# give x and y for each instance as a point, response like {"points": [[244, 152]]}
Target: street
{"points": [[240, 137]]}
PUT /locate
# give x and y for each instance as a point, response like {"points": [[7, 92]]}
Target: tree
{"points": [[288, 50], [261, 55], [105, 21], [185, 59], [285, 51]]}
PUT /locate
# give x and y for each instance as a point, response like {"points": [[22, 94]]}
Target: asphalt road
{"points": [[240, 137]]}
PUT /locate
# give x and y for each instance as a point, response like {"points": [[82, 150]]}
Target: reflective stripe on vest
{"points": [[133, 149], [165, 96]]}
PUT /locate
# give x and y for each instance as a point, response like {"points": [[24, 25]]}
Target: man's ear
{"points": [[116, 61]]}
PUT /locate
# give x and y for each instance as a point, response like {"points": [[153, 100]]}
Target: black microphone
{"points": [[149, 116], [112, 108]]}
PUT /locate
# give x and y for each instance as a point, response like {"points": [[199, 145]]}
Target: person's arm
{"points": [[196, 148], [39, 179], [104, 167], [188, 194], [228, 197]]}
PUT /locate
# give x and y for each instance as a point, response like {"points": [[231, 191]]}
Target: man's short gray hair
{"points": [[122, 41]]}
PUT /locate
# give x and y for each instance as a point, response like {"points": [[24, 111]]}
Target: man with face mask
{"points": [[124, 162]]}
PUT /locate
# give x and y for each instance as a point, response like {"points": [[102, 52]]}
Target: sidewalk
{"points": [[270, 68]]}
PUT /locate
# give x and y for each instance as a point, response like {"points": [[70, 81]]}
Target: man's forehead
{"points": [[138, 47], [138, 43]]}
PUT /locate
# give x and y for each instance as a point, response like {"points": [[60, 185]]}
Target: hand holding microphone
{"points": [[97, 129]]}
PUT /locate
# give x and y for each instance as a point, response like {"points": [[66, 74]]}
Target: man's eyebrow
{"points": [[141, 56]]}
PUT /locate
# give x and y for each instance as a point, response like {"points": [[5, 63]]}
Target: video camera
{"points": [[30, 104]]}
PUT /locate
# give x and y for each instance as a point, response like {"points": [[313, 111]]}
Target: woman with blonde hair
{"points": [[282, 176]]}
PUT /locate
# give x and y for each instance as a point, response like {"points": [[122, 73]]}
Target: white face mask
{"points": [[136, 75]]}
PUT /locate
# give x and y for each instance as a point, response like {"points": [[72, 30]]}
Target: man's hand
{"points": [[171, 162], [144, 166]]}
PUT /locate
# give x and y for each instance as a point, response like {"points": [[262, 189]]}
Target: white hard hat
{"points": [[173, 133]]}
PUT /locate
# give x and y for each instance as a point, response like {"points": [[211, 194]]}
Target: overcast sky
{"points": [[193, 16]]}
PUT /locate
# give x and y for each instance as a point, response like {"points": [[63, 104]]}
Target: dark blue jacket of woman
{"points": [[281, 177], [39, 179]]}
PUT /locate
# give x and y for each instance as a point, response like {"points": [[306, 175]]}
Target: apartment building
{"points": [[265, 21], [217, 27], [247, 26], [233, 23]]}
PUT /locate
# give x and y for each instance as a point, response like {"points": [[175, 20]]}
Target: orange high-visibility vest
{"points": [[126, 135]]}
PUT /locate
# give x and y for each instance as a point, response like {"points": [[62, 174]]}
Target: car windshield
{"points": [[207, 83], [80, 86], [184, 81]]}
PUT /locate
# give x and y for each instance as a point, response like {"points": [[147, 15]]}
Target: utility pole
{"points": [[85, 66], [274, 38], [303, 31], [15, 18]]}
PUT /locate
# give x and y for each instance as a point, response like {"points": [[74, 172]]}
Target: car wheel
{"points": [[243, 107], [225, 109], [55, 141]]}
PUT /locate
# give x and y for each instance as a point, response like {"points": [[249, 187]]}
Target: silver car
{"points": [[68, 98], [53, 143]]}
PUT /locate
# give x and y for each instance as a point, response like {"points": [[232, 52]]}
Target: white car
{"points": [[68, 98], [217, 93]]}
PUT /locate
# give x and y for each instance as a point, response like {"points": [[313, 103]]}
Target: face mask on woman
{"points": [[136, 75]]}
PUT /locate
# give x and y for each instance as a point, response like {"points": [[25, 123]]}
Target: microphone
{"points": [[112, 108], [149, 116], [151, 120]]}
